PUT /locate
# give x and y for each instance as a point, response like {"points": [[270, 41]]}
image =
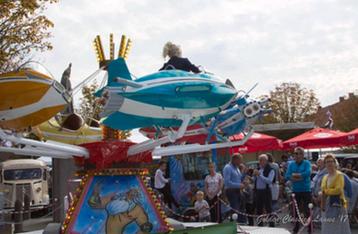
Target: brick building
{"points": [[344, 113]]}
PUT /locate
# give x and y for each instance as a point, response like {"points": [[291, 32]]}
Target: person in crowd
{"points": [[232, 183], [334, 204], [249, 198], [298, 173], [214, 184], [244, 171], [264, 178], [349, 165], [284, 164], [176, 61], [250, 172], [353, 200], [275, 186], [314, 169], [243, 202], [317, 179], [243, 168], [316, 188], [284, 159], [347, 187], [202, 207], [355, 168], [162, 185]]}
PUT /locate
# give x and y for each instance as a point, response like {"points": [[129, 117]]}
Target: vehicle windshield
{"points": [[178, 73], [23, 174], [37, 67]]}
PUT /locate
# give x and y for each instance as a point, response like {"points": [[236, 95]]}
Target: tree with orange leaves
{"points": [[23, 29]]}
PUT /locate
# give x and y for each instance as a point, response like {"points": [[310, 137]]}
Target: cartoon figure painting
{"points": [[122, 209], [117, 205]]}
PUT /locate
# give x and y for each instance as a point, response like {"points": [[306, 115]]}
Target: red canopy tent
{"points": [[351, 138], [257, 142], [316, 138]]}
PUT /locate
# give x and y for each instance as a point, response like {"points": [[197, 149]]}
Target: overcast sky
{"points": [[269, 41]]}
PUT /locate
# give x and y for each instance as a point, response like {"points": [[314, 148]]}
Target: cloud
{"points": [[248, 41]]}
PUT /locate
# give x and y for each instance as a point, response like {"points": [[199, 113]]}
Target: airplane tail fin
{"points": [[117, 69]]}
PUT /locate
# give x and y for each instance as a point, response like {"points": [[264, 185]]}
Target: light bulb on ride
{"points": [[234, 217]]}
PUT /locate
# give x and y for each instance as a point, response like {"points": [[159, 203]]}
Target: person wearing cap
{"points": [[299, 174], [232, 183]]}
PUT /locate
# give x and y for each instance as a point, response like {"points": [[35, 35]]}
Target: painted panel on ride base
{"points": [[116, 204]]}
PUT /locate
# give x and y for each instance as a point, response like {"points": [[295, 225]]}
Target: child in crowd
{"points": [[202, 207], [249, 198]]}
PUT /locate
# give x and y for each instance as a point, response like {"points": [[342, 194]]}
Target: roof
{"points": [[284, 131], [23, 163], [283, 126], [344, 114], [346, 156]]}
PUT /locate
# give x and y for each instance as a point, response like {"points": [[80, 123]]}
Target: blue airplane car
{"points": [[174, 99], [165, 98]]}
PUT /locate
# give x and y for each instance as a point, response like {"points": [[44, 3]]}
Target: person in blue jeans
{"points": [[233, 183], [299, 173]]}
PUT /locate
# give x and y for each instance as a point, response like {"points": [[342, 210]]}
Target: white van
{"points": [[24, 177]]}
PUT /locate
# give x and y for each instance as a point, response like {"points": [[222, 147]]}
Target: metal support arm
{"points": [[194, 148], [42, 148]]}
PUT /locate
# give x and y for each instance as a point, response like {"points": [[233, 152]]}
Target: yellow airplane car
{"points": [[29, 98], [72, 131]]}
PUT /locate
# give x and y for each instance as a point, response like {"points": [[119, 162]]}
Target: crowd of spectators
{"points": [[330, 187]]}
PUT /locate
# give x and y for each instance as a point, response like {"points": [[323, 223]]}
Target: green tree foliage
{"points": [[90, 107], [23, 28], [290, 103]]}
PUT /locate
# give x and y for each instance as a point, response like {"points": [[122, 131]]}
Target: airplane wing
{"points": [[130, 83]]}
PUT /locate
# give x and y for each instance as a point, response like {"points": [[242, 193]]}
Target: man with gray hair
{"points": [[264, 178]]}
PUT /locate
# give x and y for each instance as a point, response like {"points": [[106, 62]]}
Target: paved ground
{"points": [[284, 229], [317, 230], [262, 230], [35, 226]]}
